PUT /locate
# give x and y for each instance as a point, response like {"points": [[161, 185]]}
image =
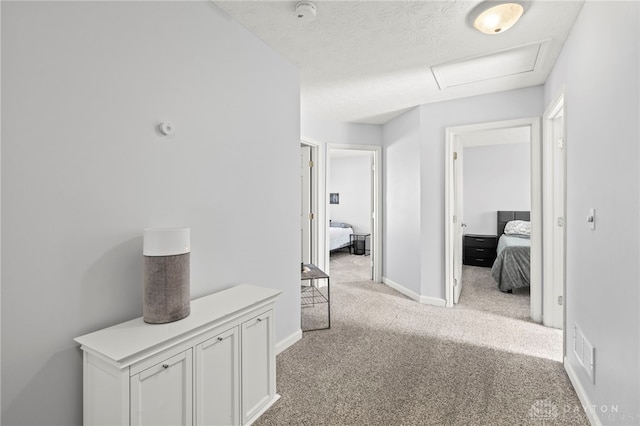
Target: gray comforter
{"points": [[512, 268]]}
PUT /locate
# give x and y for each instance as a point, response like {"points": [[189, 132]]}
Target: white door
{"points": [[554, 214], [372, 209], [305, 208], [218, 380], [459, 220], [258, 368], [162, 394], [559, 206]]}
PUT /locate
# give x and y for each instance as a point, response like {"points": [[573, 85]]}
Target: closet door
{"points": [[162, 394], [218, 380]]}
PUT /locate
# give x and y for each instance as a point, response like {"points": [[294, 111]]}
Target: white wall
{"points": [[401, 201], [435, 118], [322, 133], [84, 171], [350, 176], [338, 132], [599, 65], [413, 158], [495, 177]]}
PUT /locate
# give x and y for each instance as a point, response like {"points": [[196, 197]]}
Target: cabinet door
{"points": [[218, 380], [258, 365], [162, 394]]}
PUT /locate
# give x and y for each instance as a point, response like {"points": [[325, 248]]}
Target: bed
{"points": [[512, 267], [339, 235]]}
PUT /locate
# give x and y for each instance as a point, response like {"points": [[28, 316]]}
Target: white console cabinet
{"points": [[214, 367]]}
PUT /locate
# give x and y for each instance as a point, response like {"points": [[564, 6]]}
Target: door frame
{"points": [[458, 202], [451, 133], [553, 318], [376, 231], [317, 240], [306, 194]]}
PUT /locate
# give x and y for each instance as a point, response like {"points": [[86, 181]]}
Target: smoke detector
{"points": [[305, 11]]}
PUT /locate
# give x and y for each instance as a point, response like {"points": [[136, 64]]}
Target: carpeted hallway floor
{"points": [[388, 360]]}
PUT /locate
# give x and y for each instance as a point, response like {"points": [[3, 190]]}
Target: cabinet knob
{"points": [[259, 319], [165, 365], [220, 339]]}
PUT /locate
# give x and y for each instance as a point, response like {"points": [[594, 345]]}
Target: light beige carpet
{"points": [[388, 360]]}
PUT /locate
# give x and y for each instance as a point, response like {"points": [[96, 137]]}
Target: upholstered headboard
{"points": [[505, 216]]}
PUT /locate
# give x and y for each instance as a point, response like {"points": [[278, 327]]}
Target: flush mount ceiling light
{"points": [[494, 17]]}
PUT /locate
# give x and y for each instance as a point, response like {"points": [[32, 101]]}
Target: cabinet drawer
{"points": [[486, 241], [478, 261], [480, 252]]}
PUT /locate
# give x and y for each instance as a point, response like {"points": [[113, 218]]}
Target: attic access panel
{"points": [[523, 59]]}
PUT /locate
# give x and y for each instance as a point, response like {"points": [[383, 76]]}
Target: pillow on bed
{"points": [[518, 227], [339, 225]]}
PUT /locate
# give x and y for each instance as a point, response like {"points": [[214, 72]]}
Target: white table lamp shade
{"points": [[166, 241]]}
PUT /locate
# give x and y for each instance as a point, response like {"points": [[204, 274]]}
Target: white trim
{"points": [[424, 300], [536, 221], [318, 233], [536, 205], [263, 410], [549, 309], [402, 289], [376, 232], [433, 301], [449, 208], [582, 394], [288, 341]]}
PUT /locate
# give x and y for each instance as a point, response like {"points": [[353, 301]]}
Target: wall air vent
{"points": [[585, 353]]}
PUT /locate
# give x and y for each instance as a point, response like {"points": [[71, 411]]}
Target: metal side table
{"points": [[311, 295]]}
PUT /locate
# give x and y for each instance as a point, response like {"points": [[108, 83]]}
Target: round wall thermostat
{"points": [[167, 128]]}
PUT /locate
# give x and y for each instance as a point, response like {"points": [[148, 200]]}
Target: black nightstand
{"points": [[358, 244], [479, 250]]}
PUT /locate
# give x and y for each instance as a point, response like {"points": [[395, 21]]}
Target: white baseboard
{"points": [[435, 301], [582, 394], [394, 285], [262, 410], [288, 341], [425, 300]]}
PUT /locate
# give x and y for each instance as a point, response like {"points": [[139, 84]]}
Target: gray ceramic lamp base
{"points": [[166, 288]]}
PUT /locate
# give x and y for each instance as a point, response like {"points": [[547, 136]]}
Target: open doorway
{"points": [[496, 191], [455, 224], [350, 185], [353, 206], [548, 177]]}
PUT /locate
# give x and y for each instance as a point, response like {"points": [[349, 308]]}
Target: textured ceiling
{"points": [[369, 61]]}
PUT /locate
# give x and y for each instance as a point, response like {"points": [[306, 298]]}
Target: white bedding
{"points": [[339, 237]]}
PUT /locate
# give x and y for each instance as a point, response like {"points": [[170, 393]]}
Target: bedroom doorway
{"points": [[353, 204], [485, 134]]}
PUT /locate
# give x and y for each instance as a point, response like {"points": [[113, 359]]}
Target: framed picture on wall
{"points": [[334, 198]]}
